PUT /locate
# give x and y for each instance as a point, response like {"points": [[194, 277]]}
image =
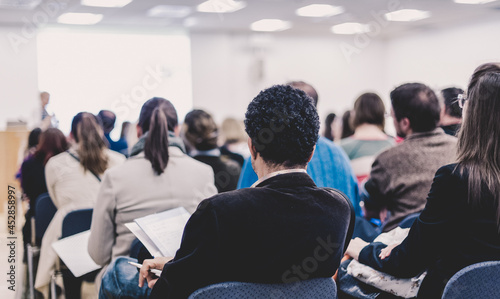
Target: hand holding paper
{"points": [[147, 270]]}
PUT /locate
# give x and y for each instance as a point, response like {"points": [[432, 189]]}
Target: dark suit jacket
{"points": [[284, 230], [226, 171], [449, 235]]}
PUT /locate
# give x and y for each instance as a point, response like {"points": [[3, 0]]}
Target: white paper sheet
{"points": [[73, 252], [145, 240], [165, 229]]}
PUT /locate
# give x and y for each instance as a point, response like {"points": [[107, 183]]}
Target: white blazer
{"points": [[70, 188]]}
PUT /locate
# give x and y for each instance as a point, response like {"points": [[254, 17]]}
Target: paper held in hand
{"points": [[161, 233], [73, 252]]}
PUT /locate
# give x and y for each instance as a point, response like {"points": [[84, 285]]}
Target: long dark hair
{"points": [[157, 117], [478, 149], [328, 133], [52, 142], [89, 136]]}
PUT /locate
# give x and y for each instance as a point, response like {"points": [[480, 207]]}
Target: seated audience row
{"points": [[290, 208]]}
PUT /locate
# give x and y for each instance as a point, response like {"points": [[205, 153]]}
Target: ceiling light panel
{"points": [[169, 11], [319, 10], [407, 15], [350, 28], [270, 25], [79, 18], [473, 1], [221, 6], [105, 3]]}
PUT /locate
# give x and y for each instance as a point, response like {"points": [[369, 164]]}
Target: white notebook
{"points": [[161, 233], [73, 252]]}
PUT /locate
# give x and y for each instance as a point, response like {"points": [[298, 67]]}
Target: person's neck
{"points": [[447, 120], [263, 169], [369, 132]]}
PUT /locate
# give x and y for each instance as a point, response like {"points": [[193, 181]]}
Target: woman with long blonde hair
{"points": [[73, 179]]}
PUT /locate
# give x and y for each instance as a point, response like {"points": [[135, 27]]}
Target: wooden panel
{"points": [[12, 144]]}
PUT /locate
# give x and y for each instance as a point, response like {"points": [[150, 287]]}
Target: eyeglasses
{"points": [[461, 99]]}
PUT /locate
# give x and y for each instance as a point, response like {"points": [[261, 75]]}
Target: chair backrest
{"points": [[76, 222], [408, 221], [479, 280], [312, 289], [45, 210]]}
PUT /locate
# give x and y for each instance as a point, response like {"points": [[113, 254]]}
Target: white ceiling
{"points": [[445, 13]]}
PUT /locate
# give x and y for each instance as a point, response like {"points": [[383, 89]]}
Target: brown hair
{"points": [[478, 147], [52, 142], [156, 145], [369, 109], [200, 130], [89, 136]]}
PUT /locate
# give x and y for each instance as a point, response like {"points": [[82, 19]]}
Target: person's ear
{"points": [[253, 151], [405, 124], [177, 130], [139, 131], [311, 155]]}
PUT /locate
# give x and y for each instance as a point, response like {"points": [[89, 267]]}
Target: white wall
{"points": [[18, 75], [442, 58], [230, 70]]}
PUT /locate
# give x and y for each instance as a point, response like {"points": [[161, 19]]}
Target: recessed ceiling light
{"points": [[221, 6], [169, 11], [407, 15], [473, 1], [270, 25], [105, 3], [319, 10], [79, 18], [350, 28]]}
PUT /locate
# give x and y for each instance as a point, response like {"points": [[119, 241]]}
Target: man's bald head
{"points": [[307, 88]]}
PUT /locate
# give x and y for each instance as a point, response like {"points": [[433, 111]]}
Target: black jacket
{"points": [[284, 230], [449, 235]]}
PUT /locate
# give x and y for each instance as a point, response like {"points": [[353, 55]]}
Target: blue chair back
{"points": [[76, 222], [317, 288], [45, 210], [479, 280], [408, 221]]}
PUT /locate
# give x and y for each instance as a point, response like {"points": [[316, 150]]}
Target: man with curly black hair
{"points": [[329, 166], [284, 229]]}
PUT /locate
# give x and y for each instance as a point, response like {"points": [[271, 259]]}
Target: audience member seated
{"points": [[202, 134], [158, 178], [285, 229], [402, 175], [329, 166], [369, 139], [108, 119], [329, 131], [33, 140], [451, 114], [235, 140], [52, 142], [460, 223], [347, 129], [73, 178]]}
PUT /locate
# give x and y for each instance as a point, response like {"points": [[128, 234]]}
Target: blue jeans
{"points": [[121, 281]]}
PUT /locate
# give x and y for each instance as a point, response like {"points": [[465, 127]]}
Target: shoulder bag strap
{"points": [[77, 159]]}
